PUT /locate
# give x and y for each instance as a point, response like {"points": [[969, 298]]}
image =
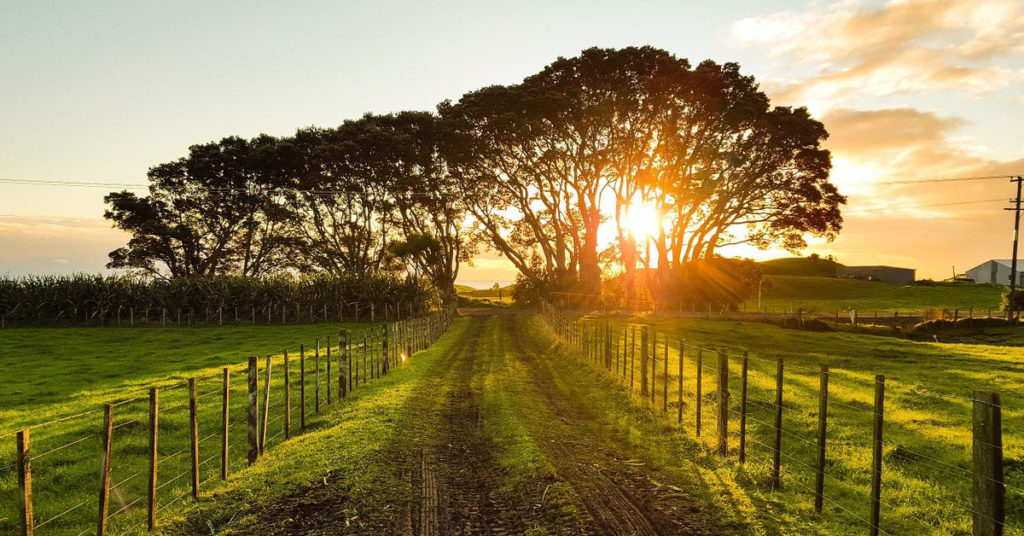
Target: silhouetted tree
{"points": [[215, 211]]}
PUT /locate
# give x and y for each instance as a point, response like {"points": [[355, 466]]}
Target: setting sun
{"points": [[643, 221]]}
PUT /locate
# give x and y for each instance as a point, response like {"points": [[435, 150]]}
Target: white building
{"points": [[996, 271]]}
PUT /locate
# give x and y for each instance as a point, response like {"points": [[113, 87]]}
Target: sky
{"points": [[909, 90]]}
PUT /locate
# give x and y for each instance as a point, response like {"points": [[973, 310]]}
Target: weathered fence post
{"points": [[654, 368], [385, 356], [328, 357], [302, 387], [643, 362], [287, 398], [723, 403], [664, 385], [265, 417], [25, 483], [316, 378], [682, 345], [154, 420], [104, 501], [876, 453], [344, 348], [819, 482], [193, 428], [743, 407], [253, 431], [777, 451], [699, 393], [343, 364], [225, 406], [989, 490]]}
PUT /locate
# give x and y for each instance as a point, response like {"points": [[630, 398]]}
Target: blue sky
{"points": [[101, 91]]}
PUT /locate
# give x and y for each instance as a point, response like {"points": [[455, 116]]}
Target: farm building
{"points": [[888, 274], [996, 271]]}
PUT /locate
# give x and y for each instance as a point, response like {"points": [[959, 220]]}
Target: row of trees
{"points": [[531, 170]]}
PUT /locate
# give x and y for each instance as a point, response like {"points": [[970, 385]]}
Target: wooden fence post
{"points": [[328, 357], [723, 403], [777, 450], [253, 432], [225, 404], [344, 347], [193, 428], [819, 482], [104, 501], [154, 422], [632, 360], [743, 407], [654, 367], [876, 453], [664, 385], [302, 387], [989, 490], [682, 345], [385, 357], [343, 380], [643, 361], [316, 378], [265, 416], [699, 393], [25, 483], [287, 398]]}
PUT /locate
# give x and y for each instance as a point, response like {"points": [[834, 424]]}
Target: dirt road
{"points": [[493, 442]]}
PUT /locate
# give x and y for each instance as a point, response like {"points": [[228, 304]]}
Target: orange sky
{"points": [[910, 89]]}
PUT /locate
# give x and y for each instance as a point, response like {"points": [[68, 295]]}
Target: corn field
{"points": [[127, 301]]}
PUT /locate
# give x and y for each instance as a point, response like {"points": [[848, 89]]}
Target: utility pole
{"points": [[1016, 233]]}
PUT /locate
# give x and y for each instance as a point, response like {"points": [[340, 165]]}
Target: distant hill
{"points": [[826, 294], [803, 266], [464, 289]]}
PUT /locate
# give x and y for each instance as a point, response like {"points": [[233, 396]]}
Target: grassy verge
{"points": [[347, 462], [117, 366], [927, 435]]}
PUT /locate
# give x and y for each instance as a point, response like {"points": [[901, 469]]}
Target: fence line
{"points": [[127, 502], [623, 355]]}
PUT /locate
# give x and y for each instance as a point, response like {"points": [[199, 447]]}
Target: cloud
{"points": [[35, 244], [902, 46]]}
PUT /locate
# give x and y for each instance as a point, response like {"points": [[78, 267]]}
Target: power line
{"points": [[72, 183], [946, 179], [216, 189], [883, 209]]}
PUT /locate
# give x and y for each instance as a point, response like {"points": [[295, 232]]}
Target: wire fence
{"points": [[148, 453], [892, 456]]}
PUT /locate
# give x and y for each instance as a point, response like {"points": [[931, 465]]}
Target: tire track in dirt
{"points": [[463, 458], [620, 498]]}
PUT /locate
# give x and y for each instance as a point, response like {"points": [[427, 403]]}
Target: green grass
{"points": [[927, 435], [825, 295], [350, 458], [65, 375]]}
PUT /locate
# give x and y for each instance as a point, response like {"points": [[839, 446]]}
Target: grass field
{"points": [[347, 470], [826, 294], [927, 434], [65, 375]]}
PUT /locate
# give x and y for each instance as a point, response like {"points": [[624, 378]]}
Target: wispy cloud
{"points": [[901, 46]]}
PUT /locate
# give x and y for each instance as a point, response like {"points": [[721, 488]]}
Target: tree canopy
{"points": [[539, 171]]}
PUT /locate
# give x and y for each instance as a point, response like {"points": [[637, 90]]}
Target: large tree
{"points": [[700, 147], [215, 211]]}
